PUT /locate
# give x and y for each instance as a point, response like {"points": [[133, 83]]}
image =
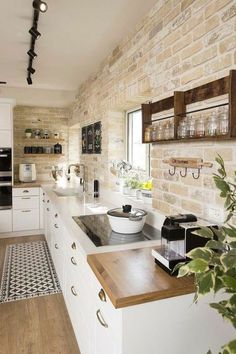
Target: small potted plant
{"points": [[134, 185], [28, 133]]}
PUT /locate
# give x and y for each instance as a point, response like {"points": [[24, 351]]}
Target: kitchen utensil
{"points": [[127, 220]]}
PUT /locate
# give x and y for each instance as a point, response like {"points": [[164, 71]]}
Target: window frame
{"points": [[127, 143]]}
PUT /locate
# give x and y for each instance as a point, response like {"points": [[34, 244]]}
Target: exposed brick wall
{"points": [[53, 119], [177, 46]]}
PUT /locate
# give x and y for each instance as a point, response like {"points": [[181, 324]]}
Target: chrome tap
{"points": [[79, 171]]}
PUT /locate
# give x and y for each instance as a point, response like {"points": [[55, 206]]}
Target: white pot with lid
{"points": [[127, 220]]}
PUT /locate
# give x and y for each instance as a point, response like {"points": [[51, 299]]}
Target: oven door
{"points": [[5, 162], [5, 195]]}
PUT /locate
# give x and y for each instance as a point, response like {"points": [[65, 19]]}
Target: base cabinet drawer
{"points": [[25, 219], [26, 202], [6, 220], [22, 192]]}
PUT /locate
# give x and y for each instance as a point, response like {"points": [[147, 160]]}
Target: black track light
{"points": [[29, 80], [31, 70], [40, 5], [31, 53], [34, 33]]}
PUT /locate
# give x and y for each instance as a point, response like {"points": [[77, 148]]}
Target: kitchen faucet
{"points": [[79, 172]]}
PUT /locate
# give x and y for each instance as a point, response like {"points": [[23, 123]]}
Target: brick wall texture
{"points": [[52, 119], [178, 45]]}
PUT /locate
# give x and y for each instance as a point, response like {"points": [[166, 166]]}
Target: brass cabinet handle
{"points": [[73, 261], [73, 291], [48, 209], [56, 246], [25, 211], [48, 201], [56, 215], [43, 193], [25, 198], [43, 200], [102, 295], [73, 246], [101, 319], [25, 191], [56, 226]]}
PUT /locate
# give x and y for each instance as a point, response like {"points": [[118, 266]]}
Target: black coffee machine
{"points": [[177, 239]]}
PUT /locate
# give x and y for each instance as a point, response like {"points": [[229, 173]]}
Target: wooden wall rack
{"points": [[181, 99]]}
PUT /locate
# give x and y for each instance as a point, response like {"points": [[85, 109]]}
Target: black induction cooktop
{"points": [[97, 228]]}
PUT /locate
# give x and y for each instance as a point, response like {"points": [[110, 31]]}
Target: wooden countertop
{"points": [[30, 184], [132, 277]]}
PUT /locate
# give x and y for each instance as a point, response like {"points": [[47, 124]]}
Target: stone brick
{"points": [[155, 30], [219, 64], [192, 206], [163, 55], [185, 4], [227, 44], [192, 75], [181, 19], [215, 6], [182, 43], [164, 207], [231, 12], [218, 34], [171, 15], [170, 198], [179, 189], [171, 38], [206, 27], [204, 56], [211, 153], [192, 49]]}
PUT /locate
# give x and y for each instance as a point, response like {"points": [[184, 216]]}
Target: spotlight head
{"points": [[40, 5], [29, 80], [34, 33], [31, 53], [31, 70]]}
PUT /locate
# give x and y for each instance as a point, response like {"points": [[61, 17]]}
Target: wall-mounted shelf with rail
{"points": [[30, 141], [181, 99], [43, 155]]}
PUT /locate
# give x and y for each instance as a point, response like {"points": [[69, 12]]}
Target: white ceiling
{"points": [[76, 36]]}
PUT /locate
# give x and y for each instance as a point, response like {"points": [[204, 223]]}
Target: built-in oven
{"points": [[5, 178], [5, 162]]}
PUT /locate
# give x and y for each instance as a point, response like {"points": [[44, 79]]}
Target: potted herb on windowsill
{"points": [[28, 133], [214, 266]]}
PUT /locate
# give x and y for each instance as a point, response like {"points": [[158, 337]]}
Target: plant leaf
{"points": [[200, 252], [183, 270], [206, 282], [230, 347], [228, 259], [205, 232], [198, 266], [229, 282]]}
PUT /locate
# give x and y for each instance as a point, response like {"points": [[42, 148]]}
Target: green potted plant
{"points": [[28, 133], [214, 266]]}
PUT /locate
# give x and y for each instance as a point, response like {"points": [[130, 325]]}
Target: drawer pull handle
{"points": [[43, 200], [48, 201], [43, 193], [25, 191], [73, 246], [73, 291], [102, 295], [56, 246], [56, 226], [56, 215], [48, 209], [26, 211], [25, 198], [101, 319], [73, 261]]}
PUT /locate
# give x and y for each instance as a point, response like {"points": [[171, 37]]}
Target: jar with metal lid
{"points": [[223, 126], [154, 132], [172, 130], [182, 130], [160, 132], [191, 128], [211, 128], [166, 133]]}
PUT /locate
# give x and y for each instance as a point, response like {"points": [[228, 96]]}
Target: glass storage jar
{"points": [[172, 131], [166, 133], [147, 134], [191, 128], [154, 132], [211, 128], [160, 132], [200, 127], [182, 130], [223, 126]]}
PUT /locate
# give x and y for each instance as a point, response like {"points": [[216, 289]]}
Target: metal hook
{"points": [[198, 174], [172, 173], [185, 174]]}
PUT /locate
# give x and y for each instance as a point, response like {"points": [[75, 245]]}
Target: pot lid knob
{"points": [[126, 208]]}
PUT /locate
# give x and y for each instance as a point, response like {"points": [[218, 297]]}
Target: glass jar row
{"points": [[159, 131]]}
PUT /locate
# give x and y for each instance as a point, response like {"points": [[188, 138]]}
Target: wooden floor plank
{"points": [[39, 325]]}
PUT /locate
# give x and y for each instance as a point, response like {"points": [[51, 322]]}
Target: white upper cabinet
{"points": [[5, 116]]}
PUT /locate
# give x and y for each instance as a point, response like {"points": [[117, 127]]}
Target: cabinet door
{"points": [[41, 209], [6, 220], [6, 138], [5, 116], [27, 202], [25, 219]]}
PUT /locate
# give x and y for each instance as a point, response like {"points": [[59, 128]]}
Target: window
{"points": [[138, 154]]}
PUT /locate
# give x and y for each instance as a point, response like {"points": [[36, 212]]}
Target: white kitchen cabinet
{"points": [[25, 219], [25, 209], [6, 138], [5, 116], [41, 209], [6, 220]]}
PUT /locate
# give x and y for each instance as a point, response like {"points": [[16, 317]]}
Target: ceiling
{"points": [[76, 36]]}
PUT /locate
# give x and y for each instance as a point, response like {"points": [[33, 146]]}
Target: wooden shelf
{"points": [[39, 141], [41, 155], [179, 101]]}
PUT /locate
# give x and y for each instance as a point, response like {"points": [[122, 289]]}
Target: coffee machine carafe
{"points": [[177, 239]]}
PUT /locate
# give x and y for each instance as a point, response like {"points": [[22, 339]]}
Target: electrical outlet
{"points": [[215, 214]]}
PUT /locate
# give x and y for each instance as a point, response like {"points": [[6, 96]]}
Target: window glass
{"points": [[137, 153]]}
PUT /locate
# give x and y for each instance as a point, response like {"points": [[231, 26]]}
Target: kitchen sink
{"points": [[67, 192]]}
